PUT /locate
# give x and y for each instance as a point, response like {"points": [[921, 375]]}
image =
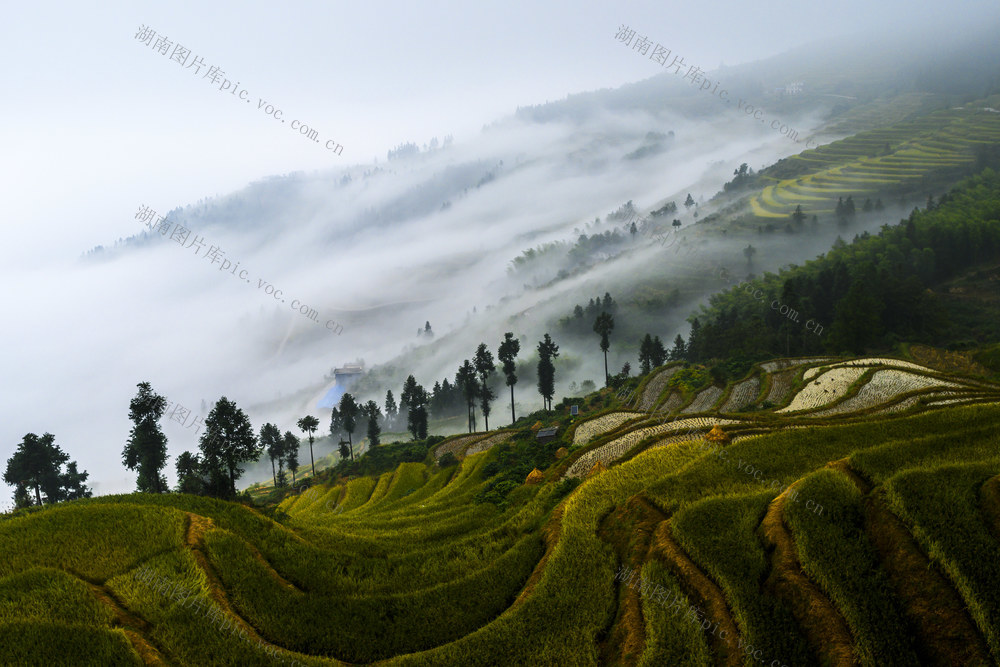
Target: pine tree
{"points": [[465, 380], [679, 351], [270, 440], [603, 326], [507, 353], [484, 368], [146, 449], [646, 354], [349, 410], [290, 453], [547, 352], [391, 411], [373, 414], [658, 352]]}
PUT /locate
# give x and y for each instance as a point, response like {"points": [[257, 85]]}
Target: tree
{"points": [[373, 413], [678, 352], [270, 441], [603, 326], [659, 353], [749, 252], [484, 367], [689, 202], [465, 380], [290, 452], [415, 397], [146, 448], [189, 478], [547, 352], [507, 353], [349, 411], [308, 425], [37, 464], [632, 230], [73, 483], [798, 216], [228, 441], [676, 224], [391, 410], [646, 354]]}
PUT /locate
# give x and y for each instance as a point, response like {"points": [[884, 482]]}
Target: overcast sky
{"points": [[94, 123]]}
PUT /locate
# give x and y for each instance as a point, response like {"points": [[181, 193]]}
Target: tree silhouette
{"points": [[308, 425], [484, 368], [659, 352], [290, 452], [415, 397], [678, 352], [36, 464], [391, 411], [373, 414], [507, 353], [547, 352], [603, 326], [189, 474], [689, 202], [146, 448], [349, 410], [646, 354], [270, 440], [798, 216], [749, 252], [465, 379], [676, 224], [227, 442]]}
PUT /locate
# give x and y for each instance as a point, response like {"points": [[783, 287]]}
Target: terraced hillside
{"points": [[884, 160], [853, 522]]}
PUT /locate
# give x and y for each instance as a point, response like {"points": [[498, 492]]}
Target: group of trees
{"points": [[347, 416], [866, 295], [35, 471]]}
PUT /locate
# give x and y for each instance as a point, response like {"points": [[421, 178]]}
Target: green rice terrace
{"points": [[908, 156], [825, 510]]}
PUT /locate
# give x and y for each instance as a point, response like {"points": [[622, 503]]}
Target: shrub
{"points": [[448, 459]]}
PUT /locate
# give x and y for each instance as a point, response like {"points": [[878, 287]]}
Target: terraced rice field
{"points": [[742, 395], [655, 387], [592, 428], [823, 389], [704, 401], [781, 384], [883, 387], [615, 449], [870, 361], [860, 166], [457, 445], [672, 404], [488, 442], [866, 542]]}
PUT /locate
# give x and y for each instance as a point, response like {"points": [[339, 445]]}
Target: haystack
{"points": [[562, 453], [599, 467], [535, 477], [717, 435]]}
